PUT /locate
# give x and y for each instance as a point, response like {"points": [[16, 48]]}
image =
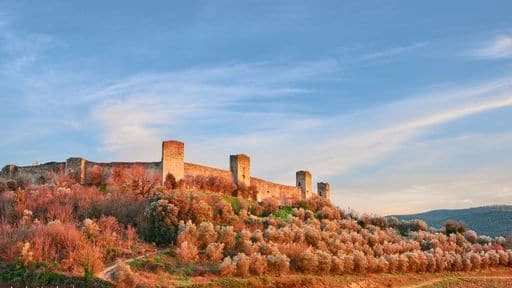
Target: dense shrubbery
{"points": [[320, 240], [80, 229], [165, 212], [67, 227]]}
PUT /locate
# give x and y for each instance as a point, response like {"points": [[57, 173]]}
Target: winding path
{"points": [[106, 274]]}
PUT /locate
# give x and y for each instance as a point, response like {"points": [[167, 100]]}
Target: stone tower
{"points": [[324, 190], [9, 171], [173, 159], [75, 168], [240, 166], [304, 183]]}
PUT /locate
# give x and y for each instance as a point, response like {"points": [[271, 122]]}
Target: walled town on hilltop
{"points": [[173, 163]]}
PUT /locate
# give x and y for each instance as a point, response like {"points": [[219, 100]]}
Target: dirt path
{"points": [[439, 279], [107, 272], [425, 283]]}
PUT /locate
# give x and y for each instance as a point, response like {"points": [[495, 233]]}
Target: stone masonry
{"points": [[323, 189], [173, 155], [173, 162], [240, 166], [303, 181]]}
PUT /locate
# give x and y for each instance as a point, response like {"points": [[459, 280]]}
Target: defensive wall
{"points": [[110, 172], [35, 174], [200, 170], [283, 193], [172, 162]]}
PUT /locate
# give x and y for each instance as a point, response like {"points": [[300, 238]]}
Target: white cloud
{"points": [[133, 123], [394, 125], [498, 48], [391, 52], [149, 107], [202, 107], [454, 172], [21, 50], [227, 109]]}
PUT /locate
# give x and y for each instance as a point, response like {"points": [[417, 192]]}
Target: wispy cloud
{"points": [[63, 94], [21, 50], [141, 110], [394, 51], [435, 174], [206, 108], [498, 48], [369, 137]]}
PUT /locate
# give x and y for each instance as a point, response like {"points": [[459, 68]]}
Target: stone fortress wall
{"points": [[173, 156], [35, 174], [200, 170], [282, 193], [108, 170]]}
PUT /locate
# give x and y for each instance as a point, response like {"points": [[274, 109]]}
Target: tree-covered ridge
{"points": [[493, 220]]}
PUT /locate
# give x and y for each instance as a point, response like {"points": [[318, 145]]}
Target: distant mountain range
{"points": [[487, 220]]}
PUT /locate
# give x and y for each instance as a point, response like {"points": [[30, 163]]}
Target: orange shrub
{"points": [[187, 233], [242, 263], [213, 253], [90, 258], [269, 205], [227, 267], [57, 242], [187, 252], [95, 175], [9, 248], [206, 234], [123, 276], [226, 235], [223, 212], [278, 264], [258, 264], [305, 262]]}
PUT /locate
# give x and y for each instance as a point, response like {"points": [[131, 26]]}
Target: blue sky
{"points": [[402, 106]]}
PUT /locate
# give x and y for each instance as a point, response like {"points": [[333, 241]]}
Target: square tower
{"points": [[304, 183], [9, 171], [324, 190], [240, 166], [173, 159], [75, 168]]}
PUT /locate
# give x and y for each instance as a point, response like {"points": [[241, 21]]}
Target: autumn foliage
{"points": [[320, 239], [83, 229]]}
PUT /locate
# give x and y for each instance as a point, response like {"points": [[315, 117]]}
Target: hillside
{"points": [[140, 233], [488, 220]]}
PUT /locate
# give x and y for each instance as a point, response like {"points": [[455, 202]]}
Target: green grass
{"points": [[282, 213], [235, 203], [232, 282], [49, 278], [41, 274], [136, 263]]}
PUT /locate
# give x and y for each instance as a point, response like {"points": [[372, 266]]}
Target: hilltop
{"points": [[140, 232], [495, 220]]}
